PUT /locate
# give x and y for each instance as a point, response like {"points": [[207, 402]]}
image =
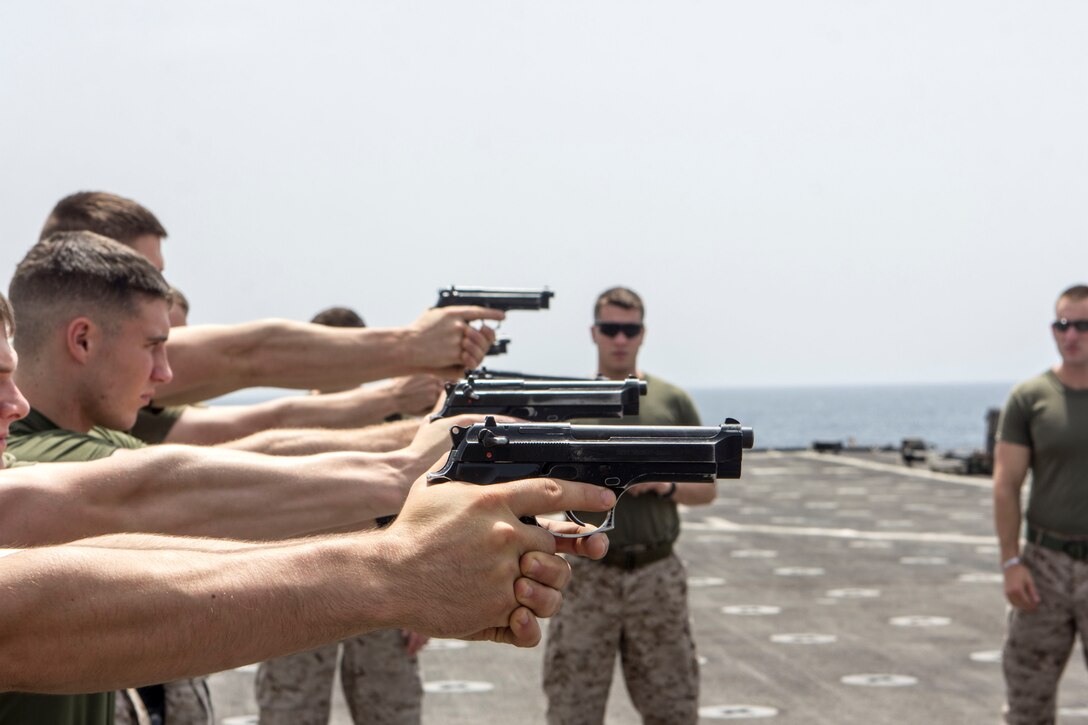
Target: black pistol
{"points": [[616, 457], [543, 400], [496, 298]]}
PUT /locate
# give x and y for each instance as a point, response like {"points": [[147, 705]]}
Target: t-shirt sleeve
{"points": [[62, 446], [1014, 426], [686, 412], [154, 424]]}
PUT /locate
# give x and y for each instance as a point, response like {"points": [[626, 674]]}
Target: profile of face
{"points": [[13, 405], [150, 245], [127, 362], [618, 334], [1072, 343]]}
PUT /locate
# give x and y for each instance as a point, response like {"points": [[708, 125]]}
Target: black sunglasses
{"points": [[611, 329], [1063, 324]]}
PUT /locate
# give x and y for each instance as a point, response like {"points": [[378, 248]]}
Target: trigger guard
{"points": [[608, 524]]}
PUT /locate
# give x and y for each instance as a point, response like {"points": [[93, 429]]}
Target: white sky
{"points": [[804, 192]]}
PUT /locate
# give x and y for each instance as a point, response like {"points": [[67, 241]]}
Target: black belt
{"points": [[1076, 548], [634, 556]]}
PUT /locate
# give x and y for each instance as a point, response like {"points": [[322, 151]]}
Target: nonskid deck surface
{"points": [[823, 589]]}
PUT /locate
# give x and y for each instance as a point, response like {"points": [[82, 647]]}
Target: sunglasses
{"points": [[1063, 324], [611, 329]]}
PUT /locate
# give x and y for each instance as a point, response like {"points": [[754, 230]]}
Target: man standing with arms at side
{"points": [[1044, 427], [634, 600]]}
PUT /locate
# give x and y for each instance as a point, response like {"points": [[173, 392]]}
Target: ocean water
{"points": [[947, 416]]}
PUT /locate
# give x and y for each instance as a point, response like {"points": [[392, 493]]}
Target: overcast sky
{"points": [[804, 192]]}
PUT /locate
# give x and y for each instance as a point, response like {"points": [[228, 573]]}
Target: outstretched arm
{"points": [[201, 492], [211, 360], [355, 408], [136, 609]]}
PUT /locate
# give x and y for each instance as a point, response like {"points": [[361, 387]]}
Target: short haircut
{"points": [[7, 317], [1076, 293], [620, 297], [112, 216], [79, 273], [339, 317], [180, 300]]}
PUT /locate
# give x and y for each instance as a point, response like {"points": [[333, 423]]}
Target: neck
{"points": [[58, 403], [618, 374], [1072, 376]]}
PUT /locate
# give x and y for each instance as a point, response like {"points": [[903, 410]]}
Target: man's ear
{"points": [[81, 338]]}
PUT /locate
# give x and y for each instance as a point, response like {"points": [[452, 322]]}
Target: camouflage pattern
{"points": [[381, 683], [641, 613], [188, 702], [1038, 643]]}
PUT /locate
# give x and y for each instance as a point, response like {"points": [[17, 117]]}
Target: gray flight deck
{"points": [[824, 588]]}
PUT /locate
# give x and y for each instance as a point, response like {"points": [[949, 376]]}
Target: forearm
{"points": [[292, 442], [211, 360], [223, 424], [695, 494], [161, 611], [199, 492]]}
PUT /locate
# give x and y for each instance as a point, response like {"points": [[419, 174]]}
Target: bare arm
{"points": [[211, 360], [355, 408], [1011, 462], [293, 442], [689, 494], [131, 610], [200, 492]]}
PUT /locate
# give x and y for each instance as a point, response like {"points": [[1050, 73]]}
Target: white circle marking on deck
{"points": [[457, 687], [980, 577], [880, 680], [854, 593], [705, 581], [1073, 711], [438, 645], [923, 560], [736, 712], [919, 620], [754, 554], [752, 610], [799, 571], [804, 638], [990, 656]]}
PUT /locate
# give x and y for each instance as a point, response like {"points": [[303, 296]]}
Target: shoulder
{"points": [[65, 445], [1041, 386], [672, 397]]}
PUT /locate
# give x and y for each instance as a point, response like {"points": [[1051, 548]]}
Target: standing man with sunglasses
{"points": [[635, 600], [1044, 427]]}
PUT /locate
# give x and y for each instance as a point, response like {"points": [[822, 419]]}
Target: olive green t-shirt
{"points": [[154, 423], [36, 438], [1052, 420], [648, 519]]}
